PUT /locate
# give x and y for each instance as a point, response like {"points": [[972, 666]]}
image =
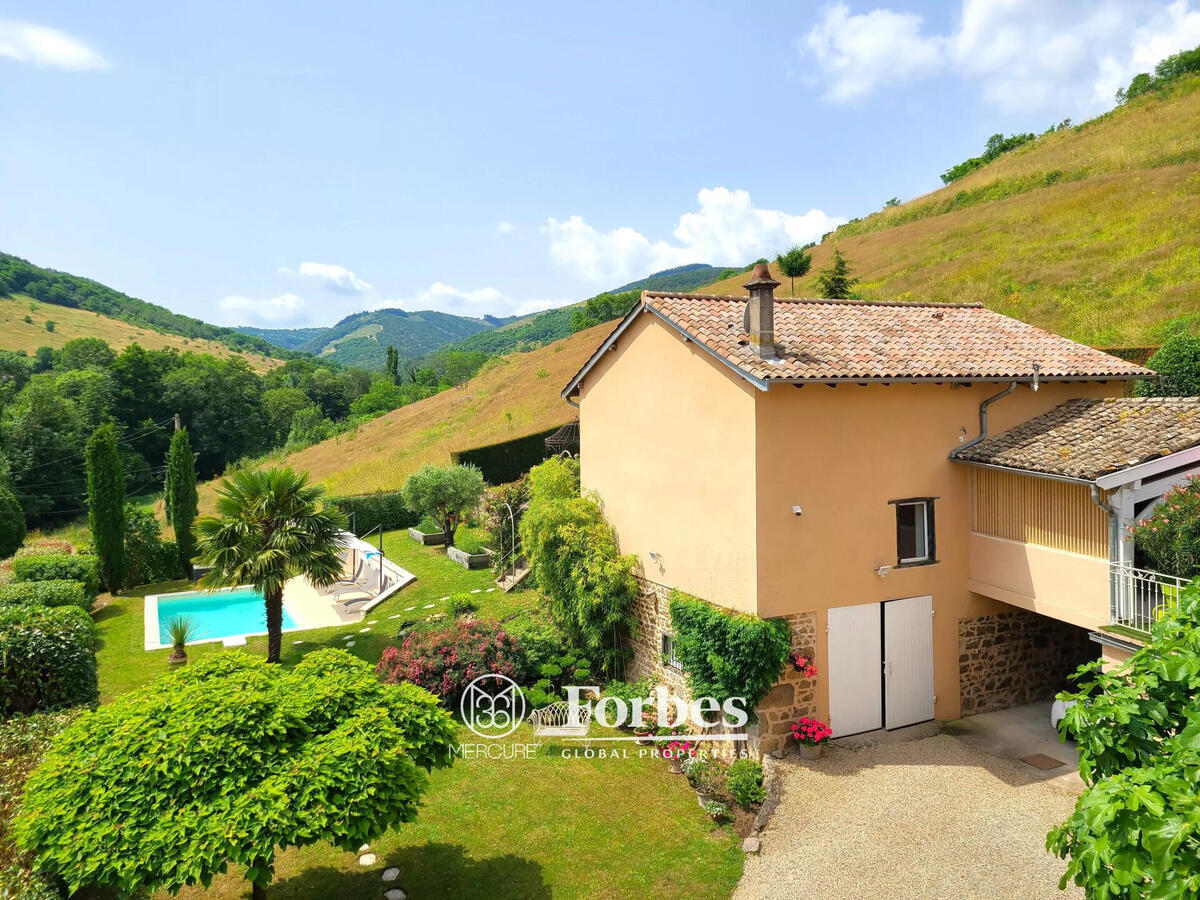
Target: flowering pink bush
{"points": [[810, 731], [803, 664], [1171, 536], [445, 660], [678, 750]]}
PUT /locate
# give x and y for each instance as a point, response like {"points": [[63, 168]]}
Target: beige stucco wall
{"points": [[841, 454], [698, 465], [667, 442], [1071, 587]]}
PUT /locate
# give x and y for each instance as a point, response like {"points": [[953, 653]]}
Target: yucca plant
{"points": [[180, 629]]}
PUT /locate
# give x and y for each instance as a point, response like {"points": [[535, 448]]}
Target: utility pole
{"points": [[178, 424]]}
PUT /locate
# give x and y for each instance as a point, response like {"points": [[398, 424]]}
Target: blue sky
{"points": [[286, 164]]}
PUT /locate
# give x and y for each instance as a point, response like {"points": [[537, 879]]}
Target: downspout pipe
{"points": [[1114, 549], [983, 422]]}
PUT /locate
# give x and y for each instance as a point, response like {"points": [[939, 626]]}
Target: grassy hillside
{"points": [[1089, 231], [512, 396], [363, 338], [69, 323], [61, 289]]}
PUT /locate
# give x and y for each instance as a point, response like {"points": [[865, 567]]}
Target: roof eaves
{"points": [[1051, 476]]}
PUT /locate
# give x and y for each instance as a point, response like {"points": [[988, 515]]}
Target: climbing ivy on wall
{"points": [[725, 653]]}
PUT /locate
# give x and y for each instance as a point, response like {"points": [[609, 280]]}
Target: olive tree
{"points": [[444, 493], [224, 762]]}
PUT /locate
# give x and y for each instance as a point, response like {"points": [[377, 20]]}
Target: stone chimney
{"points": [[759, 320]]}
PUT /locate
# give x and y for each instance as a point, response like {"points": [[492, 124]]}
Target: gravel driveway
{"points": [[932, 818]]}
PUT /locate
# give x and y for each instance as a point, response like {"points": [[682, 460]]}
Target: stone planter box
{"points": [[429, 539], [480, 560]]}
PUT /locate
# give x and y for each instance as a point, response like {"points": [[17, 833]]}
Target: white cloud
{"points": [[1023, 55], [283, 311], [727, 229], [44, 46], [505, 228], [858, 53], [475, 303], [334, 278]]}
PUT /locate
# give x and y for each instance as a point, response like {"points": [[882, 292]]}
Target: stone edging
{"points": [[773, 785]]}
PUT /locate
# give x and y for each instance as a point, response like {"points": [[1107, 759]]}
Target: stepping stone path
{"points": [[397, 615], [489, 590], [394, 894], [407, 608], [441, 599], [349, 643], [391, 874], [477, 591], [427, 606], [297, 642], [347, 637], [363, 630], [373, 622]]}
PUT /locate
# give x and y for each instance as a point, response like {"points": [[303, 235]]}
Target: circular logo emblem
{"points": [[493, 706]]}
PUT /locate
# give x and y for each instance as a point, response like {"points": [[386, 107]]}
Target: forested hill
{"points": [[1087, 230], [288, 338], [19, 276]]}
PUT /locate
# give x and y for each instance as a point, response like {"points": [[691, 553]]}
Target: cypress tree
{"points": [[182, 500], [12, 523], [106, 502]]}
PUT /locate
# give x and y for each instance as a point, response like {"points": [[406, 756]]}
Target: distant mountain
{"points": [[288, 338], [363, 338], [19, 276], [680, 278]]}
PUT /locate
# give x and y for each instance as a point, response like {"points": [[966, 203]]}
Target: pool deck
{"points": [[307, 606]]}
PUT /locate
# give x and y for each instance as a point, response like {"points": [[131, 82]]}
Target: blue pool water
{"points": [[217, 615]]}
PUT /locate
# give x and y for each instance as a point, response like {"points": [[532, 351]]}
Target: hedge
{"points": [[47, 658], [55, 566], [57, 592], [508, 460], [368, 511]]}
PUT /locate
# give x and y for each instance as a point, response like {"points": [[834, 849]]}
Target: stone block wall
{"points": [[1018, 657], [791, 697]]}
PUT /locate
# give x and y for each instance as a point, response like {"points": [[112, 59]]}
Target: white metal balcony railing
{"points": [[1139, 596]]}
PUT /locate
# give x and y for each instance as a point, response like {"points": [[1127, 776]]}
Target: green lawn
{"points": [[546, 826]]}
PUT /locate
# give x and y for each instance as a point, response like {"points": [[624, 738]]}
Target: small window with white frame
{"points": [[668, 652], [914, 531]]}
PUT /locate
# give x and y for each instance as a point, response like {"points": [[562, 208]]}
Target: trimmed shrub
{"points": [[460, 605], [445, 660], [79, 567], [725, 653], [262, 758], [23, 742], [58, 592], [1177, 363], [47, 658], [744, 779], [368, 511], [556, 673], [12, 523], [508, 460], [148, 558]]}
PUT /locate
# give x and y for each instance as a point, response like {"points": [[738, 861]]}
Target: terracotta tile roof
{"points": [[836, 340], [1089, 438]]}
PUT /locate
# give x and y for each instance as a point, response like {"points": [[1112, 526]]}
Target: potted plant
{"points": [[810, 735], [645, 732], [677, 753], [707, 777], [803, 664], [180, 629], [717, 810]]}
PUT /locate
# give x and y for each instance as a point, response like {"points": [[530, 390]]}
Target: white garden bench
{"points": [[555, 720]]}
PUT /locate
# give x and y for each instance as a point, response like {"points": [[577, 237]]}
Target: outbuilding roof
{"points": [[1085, 439], [857, 341]]}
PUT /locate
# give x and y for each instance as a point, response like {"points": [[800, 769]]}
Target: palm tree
{"points": [[271, 526]]}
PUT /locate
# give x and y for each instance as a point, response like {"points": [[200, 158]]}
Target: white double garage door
{"points": [[880, 669]]}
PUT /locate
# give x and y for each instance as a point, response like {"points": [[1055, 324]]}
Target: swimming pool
{"points": [[216, 615]]}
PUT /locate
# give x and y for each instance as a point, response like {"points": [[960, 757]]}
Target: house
{"points": [[934, 496]]}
